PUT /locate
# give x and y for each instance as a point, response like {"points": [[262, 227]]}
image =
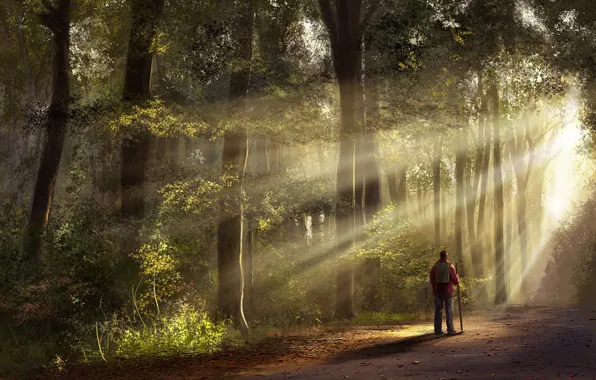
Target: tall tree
{"points": [[372, 188], [137, 89], [500, 286], [438, 148], [485, 143], [472, 197], [57, 19], [230, 224], [345, 22], [460, 163]]}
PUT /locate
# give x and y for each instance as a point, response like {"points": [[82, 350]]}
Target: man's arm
{"points": [[453, 275]]}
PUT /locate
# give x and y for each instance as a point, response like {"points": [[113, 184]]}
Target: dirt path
{"points": [[516, 343]]}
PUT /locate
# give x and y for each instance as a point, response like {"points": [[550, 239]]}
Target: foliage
{"points": [[186, 329], [423, 66], [569, 275]]}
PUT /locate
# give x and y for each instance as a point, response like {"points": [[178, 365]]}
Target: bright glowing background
{"points": [[565, 188]]}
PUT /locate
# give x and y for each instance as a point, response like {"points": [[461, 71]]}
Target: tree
{"points": [[500, 286], [460, 162], [472, 195], [345, 22], [137, 90], [438, 147], [57, 19], [372, 188], [230, 221]]}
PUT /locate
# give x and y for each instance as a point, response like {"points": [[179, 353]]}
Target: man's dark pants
{"points": [[439, 301]]}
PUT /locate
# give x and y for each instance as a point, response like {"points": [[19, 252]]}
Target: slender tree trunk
{"points": [[470, 204], [234, 156], [344, 307], [501, 290], [247, 265], [57, 19], [160, 148], [372, 189], [402, 188], [509, 220], [523, 173], [481, 247], [419, 199], [460, 165], [437, 189], [444, 218], [174, 150]]}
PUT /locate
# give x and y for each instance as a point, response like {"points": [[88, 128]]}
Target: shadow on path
{"points": [[389, 348]]}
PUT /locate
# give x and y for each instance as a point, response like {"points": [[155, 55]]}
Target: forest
{"points": [[180, 173]]}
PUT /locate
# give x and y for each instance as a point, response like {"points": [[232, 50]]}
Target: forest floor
{"points": [[509, 343]]}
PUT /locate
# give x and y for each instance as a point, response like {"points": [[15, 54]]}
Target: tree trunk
{"points": [[481, 230], [501, 290], [402, 188], [460, 165], [437, 189], [477, 262], [57, 19], [345, 34], [247, 266], [174, 150], [137, 89], [372, 189], [392, 178], [419, 200], [444, 218], [344, 307], [230, 225], [470, 205], [160, 149]]}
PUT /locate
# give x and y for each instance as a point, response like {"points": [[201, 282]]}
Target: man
{"points": [[443, 278]]}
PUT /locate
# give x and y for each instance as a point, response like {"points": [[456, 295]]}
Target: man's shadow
{"points": [[386, 349]]}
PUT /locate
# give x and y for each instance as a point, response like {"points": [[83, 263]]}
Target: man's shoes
{"points": [[440, 333], [454, 332]]}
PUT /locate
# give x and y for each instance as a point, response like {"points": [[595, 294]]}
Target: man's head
{"points": [[443, 255]]}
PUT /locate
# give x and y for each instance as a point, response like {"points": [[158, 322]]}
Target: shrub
{"points": [[186, 330]]}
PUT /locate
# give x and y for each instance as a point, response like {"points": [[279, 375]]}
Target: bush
{"points": [[186, 330]]}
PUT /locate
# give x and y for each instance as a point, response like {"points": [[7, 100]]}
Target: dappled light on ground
{"points": [[508, 343]]}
